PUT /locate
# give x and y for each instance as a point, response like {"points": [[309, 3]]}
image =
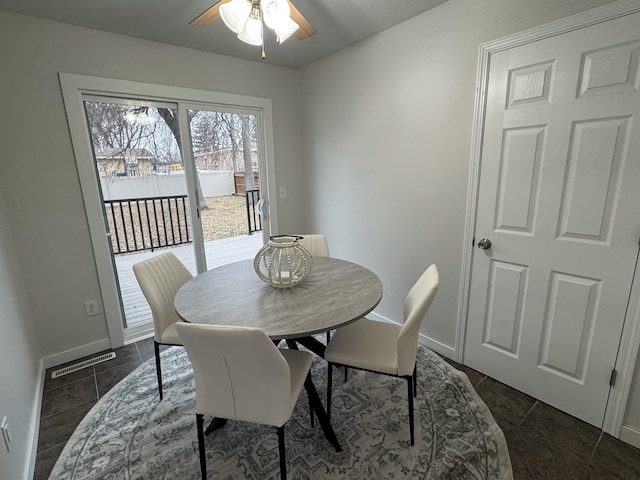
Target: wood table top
{"points": [[335, 293]]}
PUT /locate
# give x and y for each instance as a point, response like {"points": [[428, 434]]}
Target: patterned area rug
{"points": [[130, 434]]}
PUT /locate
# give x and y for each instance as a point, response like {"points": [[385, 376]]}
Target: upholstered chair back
{"points": [[316, 244], [239, 373], [416, 304], [160, 277]]}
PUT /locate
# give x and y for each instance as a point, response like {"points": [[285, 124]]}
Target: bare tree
{"points": [[112, 133], [226, 138]]}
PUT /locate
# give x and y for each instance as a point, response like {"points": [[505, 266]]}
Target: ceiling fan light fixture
{"points": [[235, 14], [252, 33], [286, 28], [275, 12], [281, 16], [247, 19]]}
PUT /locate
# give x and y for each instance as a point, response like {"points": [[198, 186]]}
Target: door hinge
{"points": [[473, 242], [612, 380]]}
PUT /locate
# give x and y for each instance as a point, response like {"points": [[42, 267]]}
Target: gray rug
{"points": [[130, 434]]}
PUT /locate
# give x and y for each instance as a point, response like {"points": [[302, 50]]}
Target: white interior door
{"points": [[558, 198]]}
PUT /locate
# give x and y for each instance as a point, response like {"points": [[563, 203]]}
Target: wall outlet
{"points": [[6, 433], [283, 192], [91, 308]]}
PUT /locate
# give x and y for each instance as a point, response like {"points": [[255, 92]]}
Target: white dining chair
{"points": [[316, 244], [383, 347], [160, 277], [241, 375]]}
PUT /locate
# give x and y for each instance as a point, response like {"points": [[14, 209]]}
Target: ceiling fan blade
{"points": [[305, 30], [209, 16]]}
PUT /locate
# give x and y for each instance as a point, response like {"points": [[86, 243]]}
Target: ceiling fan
{"points": [[244, 15]]}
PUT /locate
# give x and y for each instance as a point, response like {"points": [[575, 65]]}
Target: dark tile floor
{"points": [[544, 443], [67, 399]]}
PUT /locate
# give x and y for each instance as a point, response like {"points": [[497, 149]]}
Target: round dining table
{"points": [[335, 293]]}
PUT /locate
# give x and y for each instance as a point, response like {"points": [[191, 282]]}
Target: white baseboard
{"points": [[76, 353], [630, 435], [437, 346], [135, 334], [34, 426], [428, 342]]}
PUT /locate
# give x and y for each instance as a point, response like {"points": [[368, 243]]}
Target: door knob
{"points": [[484, 243]]}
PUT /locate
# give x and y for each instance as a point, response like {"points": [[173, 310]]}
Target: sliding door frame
{"points": [[191, 173], [76, 89]]}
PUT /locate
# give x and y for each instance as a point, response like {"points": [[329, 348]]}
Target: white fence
{"points": [[213, 184]]}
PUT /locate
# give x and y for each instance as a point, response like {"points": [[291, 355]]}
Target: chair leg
{"points": [[410, 396], [346, 374], [203, 458], [415, 380], [283, 456], [313, 423], [329, 385], [156, 348]]}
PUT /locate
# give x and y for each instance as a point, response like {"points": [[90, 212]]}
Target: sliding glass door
{"points": [[139, 167], [226, 151], [178, 172]]}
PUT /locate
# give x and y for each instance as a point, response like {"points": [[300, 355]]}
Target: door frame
{"points": [[74, 89], [630, 340]]}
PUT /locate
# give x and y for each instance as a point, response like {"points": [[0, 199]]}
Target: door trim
{"points": [[74, 89], [628, 349]]}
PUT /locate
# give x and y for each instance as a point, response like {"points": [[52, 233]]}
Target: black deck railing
{"points": [[138, 224], [254, 218]]}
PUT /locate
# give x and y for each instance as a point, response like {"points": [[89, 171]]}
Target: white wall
{"points": [[20, 370], [386, 135], [39, 177]]}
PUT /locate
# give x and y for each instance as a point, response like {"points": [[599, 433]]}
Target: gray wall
{"points": [[20, 367]]}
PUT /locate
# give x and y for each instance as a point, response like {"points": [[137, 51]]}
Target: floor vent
{"points": [[87, 363]]}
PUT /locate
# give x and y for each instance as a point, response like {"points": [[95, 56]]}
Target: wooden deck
{"points": [[218, 252]]}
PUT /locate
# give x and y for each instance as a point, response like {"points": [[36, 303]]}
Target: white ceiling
{"points": [[339, 23]]}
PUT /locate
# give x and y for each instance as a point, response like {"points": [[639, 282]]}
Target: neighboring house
{"points": [[225, 160], [229, 160], [129, 162]]}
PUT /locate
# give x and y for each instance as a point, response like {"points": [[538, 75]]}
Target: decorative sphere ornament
{"points": [[283, 262]]}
